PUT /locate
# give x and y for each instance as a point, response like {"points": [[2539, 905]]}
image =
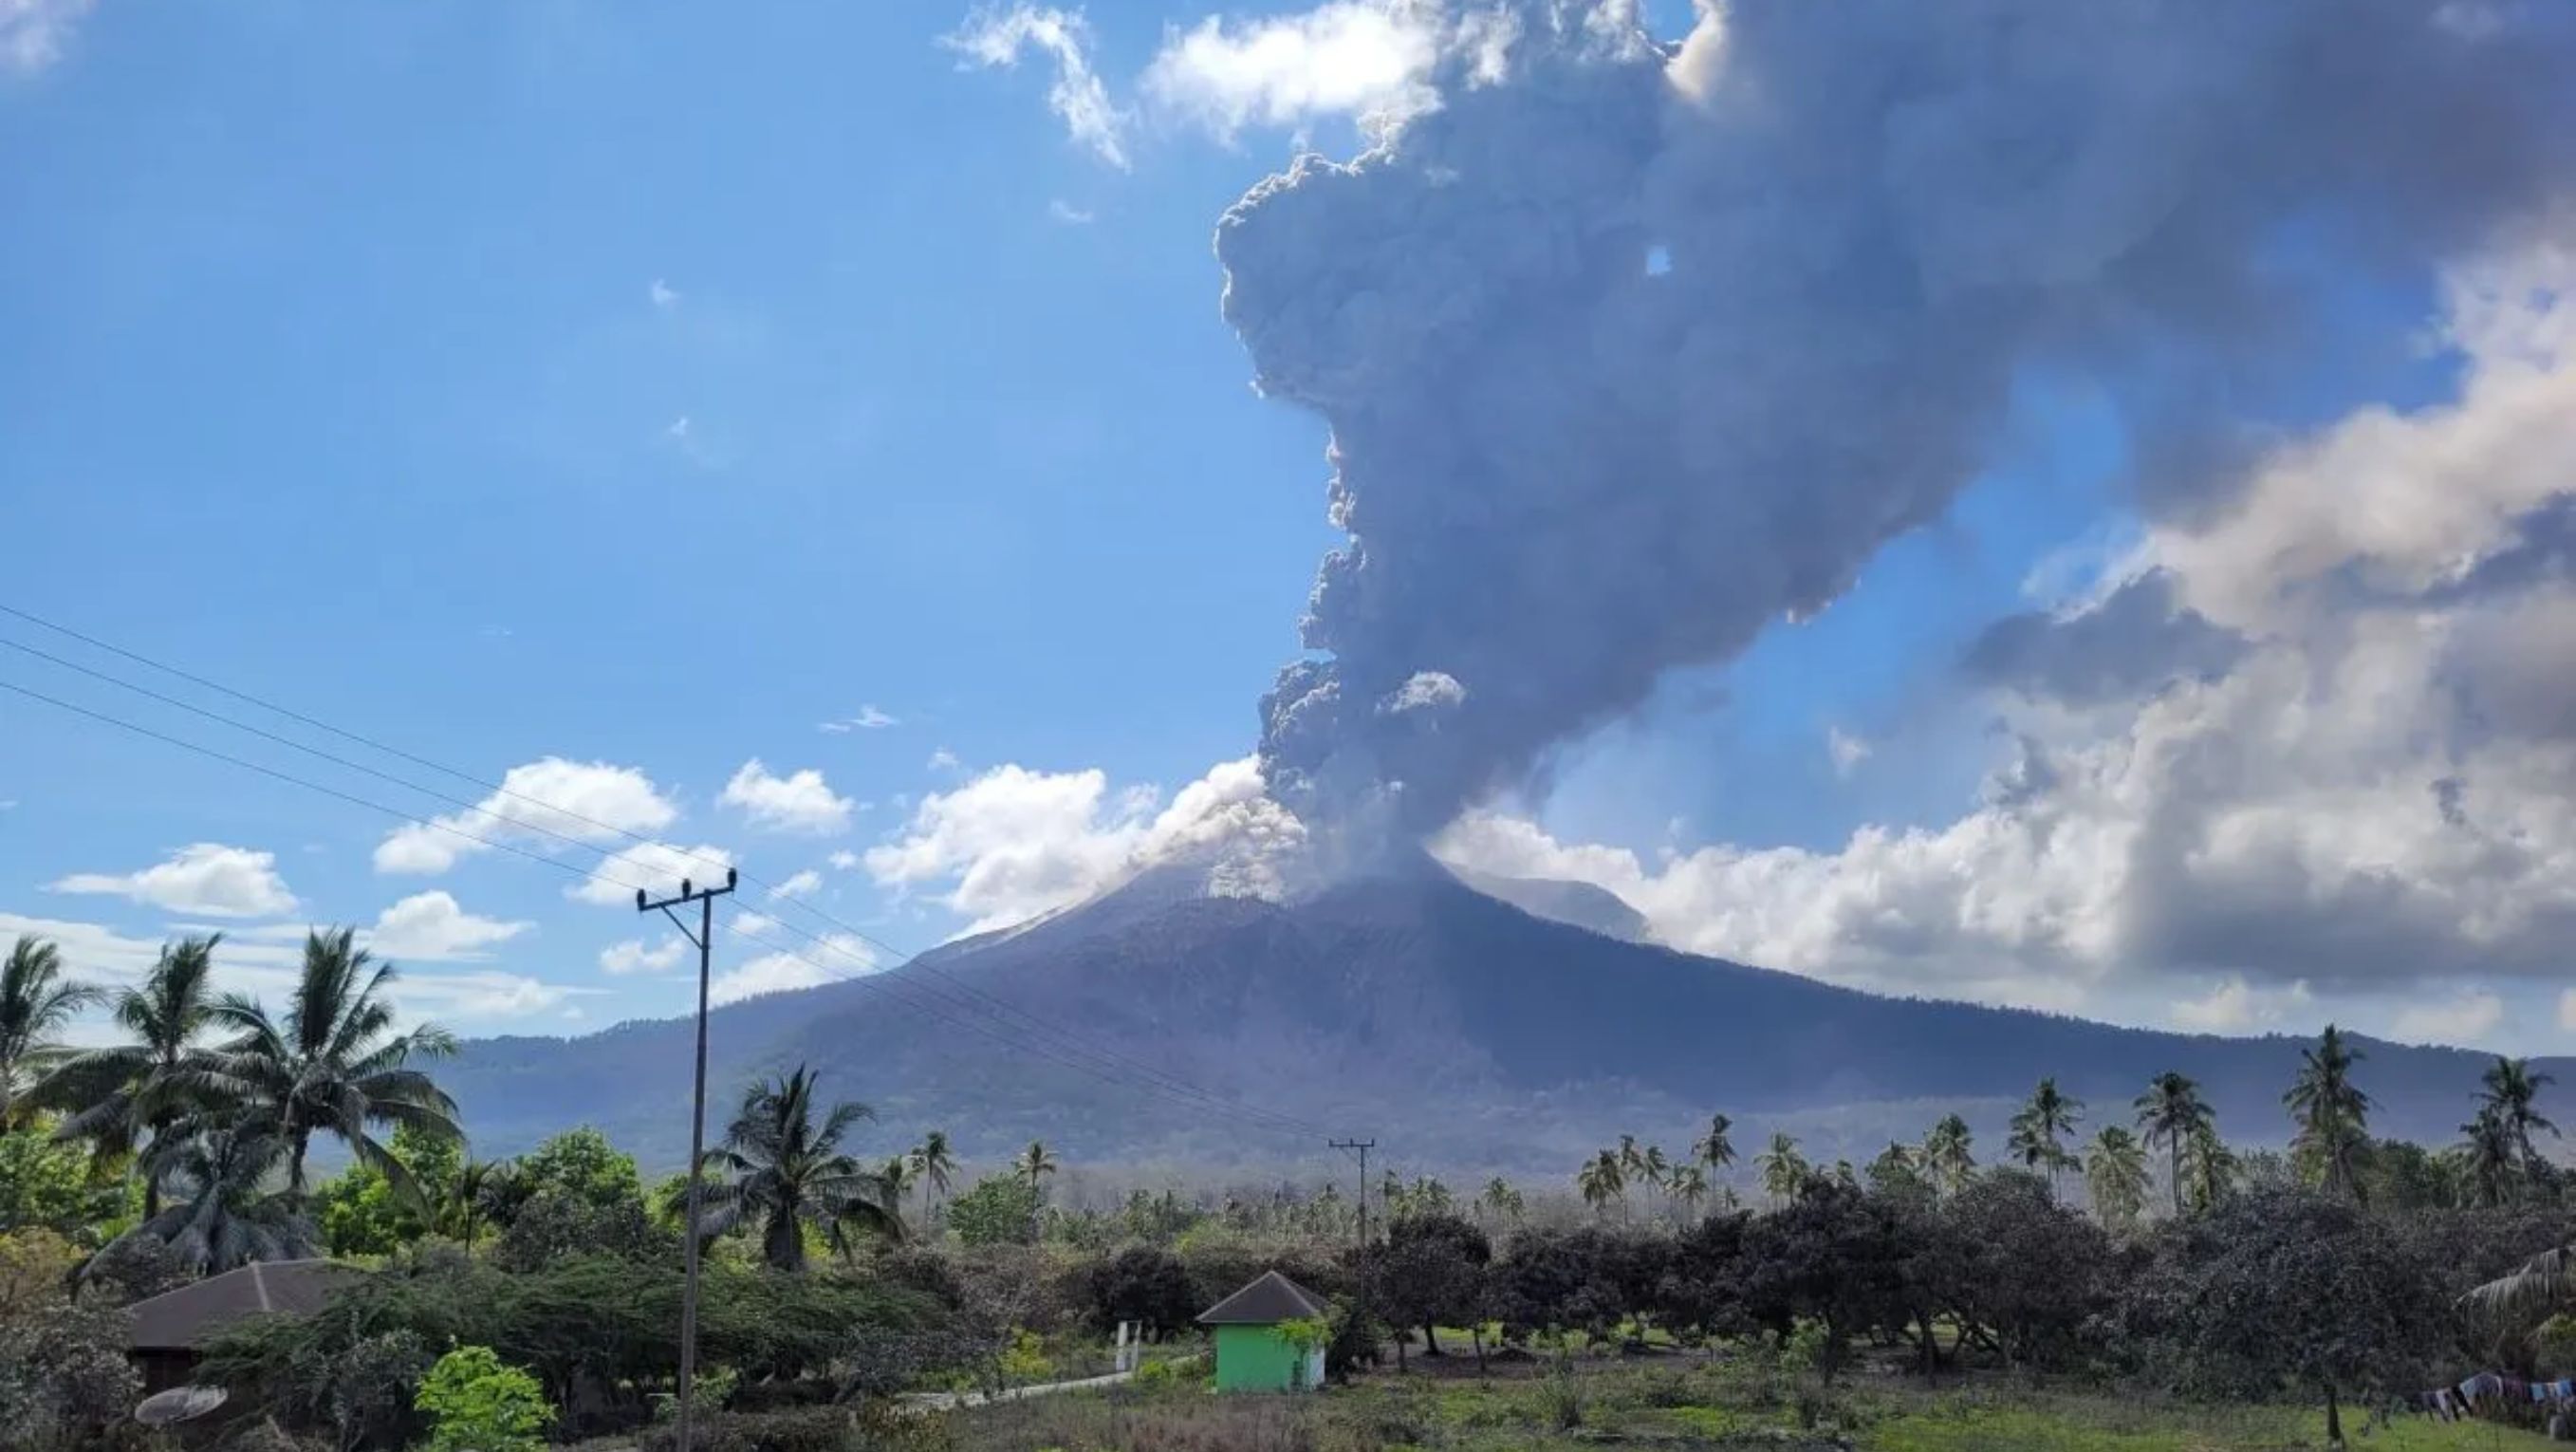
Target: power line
{"points": [[966, 996], [895, 988]]}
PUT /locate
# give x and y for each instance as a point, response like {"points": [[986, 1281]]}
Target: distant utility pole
{"points": [[1361, 1147], [704, 939]]}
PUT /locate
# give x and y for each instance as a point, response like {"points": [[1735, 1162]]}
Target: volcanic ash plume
{"points": [[1629, 349]]}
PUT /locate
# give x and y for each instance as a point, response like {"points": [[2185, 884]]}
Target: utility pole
{"points": [[1361, 1147], [704, 939]]}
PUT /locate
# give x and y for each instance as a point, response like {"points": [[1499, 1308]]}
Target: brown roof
{"points": [[1266, 1302], [178, 1320]]}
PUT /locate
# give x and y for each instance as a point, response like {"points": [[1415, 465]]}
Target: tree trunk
{"points": [[1401, 1337], [1477, 1333], [2173, 1142], [295, 1162], [1430, 1339], [2334, 1420]]}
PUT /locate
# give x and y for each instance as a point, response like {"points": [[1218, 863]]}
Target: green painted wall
{"points": [[1258, 1358]]}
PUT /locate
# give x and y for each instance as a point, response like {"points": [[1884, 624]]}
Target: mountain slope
{"points": [[1461, 1031]]}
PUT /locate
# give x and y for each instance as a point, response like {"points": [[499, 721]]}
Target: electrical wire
{"points": [[965, 996]]}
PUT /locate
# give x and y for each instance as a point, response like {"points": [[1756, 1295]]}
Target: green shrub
{"points": [[478, 1403]]}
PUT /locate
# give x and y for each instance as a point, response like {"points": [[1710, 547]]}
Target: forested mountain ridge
{"points": [[1463, 1030]]}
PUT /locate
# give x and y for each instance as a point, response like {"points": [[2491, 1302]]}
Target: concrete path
{"points": [[949, 1401]]}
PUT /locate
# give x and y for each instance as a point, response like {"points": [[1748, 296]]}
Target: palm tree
{"points": [[131, 1094], [933, 1162], [222, 1212], [1783, 1168], [897, 1173], [789, 1172], [2212, 1167], [1600, 1180], [1948, 1158], [1690, 1187], [2115, 1176], [2487, 1161], [2173, 1111], [1655, 1170], [1033, 1162], [1632, 1169], [2510, 1090], [461, 1210], [334, 1064], [2037, 1130], [2331, 1112], [1896, 1170], [1715, 1149], [35, 1006], [1501, 1199]]}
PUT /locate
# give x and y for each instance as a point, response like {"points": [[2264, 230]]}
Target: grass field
{"points": [[1608, 1404]]}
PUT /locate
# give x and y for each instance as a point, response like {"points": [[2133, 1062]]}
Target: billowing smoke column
{"points": [[1630, 349]]}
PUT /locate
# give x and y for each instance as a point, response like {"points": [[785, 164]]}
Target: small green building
{"points": [[1251, 1352]]}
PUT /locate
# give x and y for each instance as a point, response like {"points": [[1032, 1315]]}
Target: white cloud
{"points": [[487, 994], [2376, 793], [753, 925], [2235, 1006], [1067, 213], [632, 956], [869, 718], [431, 925], [2464, 1021], [799, 885], [943, 759], [664, 296], [843, 860], [205, 878], [1845, 750], [837, 956], [540, 803], [1013, 843], [1425, 691], [33, 33], [657, 867], [800, 802], [263, 962], [997, 38], [1357, 58]]}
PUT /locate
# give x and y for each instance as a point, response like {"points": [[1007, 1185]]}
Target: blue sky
{"points": [[653, 385]]}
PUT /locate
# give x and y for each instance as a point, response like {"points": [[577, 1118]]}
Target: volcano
{"points": [[1159, 1026]]}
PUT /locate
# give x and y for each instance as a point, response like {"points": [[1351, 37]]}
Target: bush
{"points": [[1000, 1210], [476, 1403], [64, 1379], [797, 1429]]}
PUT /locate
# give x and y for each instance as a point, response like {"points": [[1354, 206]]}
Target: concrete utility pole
{"points": [[704, 939], [1362, 1147]]}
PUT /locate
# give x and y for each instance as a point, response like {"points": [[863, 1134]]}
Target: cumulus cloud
{"points": [[34, 33], [664, 297], [657, 867], [1014, 843], [2235, 1006], [206, 879], [635, 956], [433, 926], [801, 884], [2464, 1020], [1356, 58], [798, 802], [2374, 791], [540, 804], [998, 37], [843, 860], [836, 956]]}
